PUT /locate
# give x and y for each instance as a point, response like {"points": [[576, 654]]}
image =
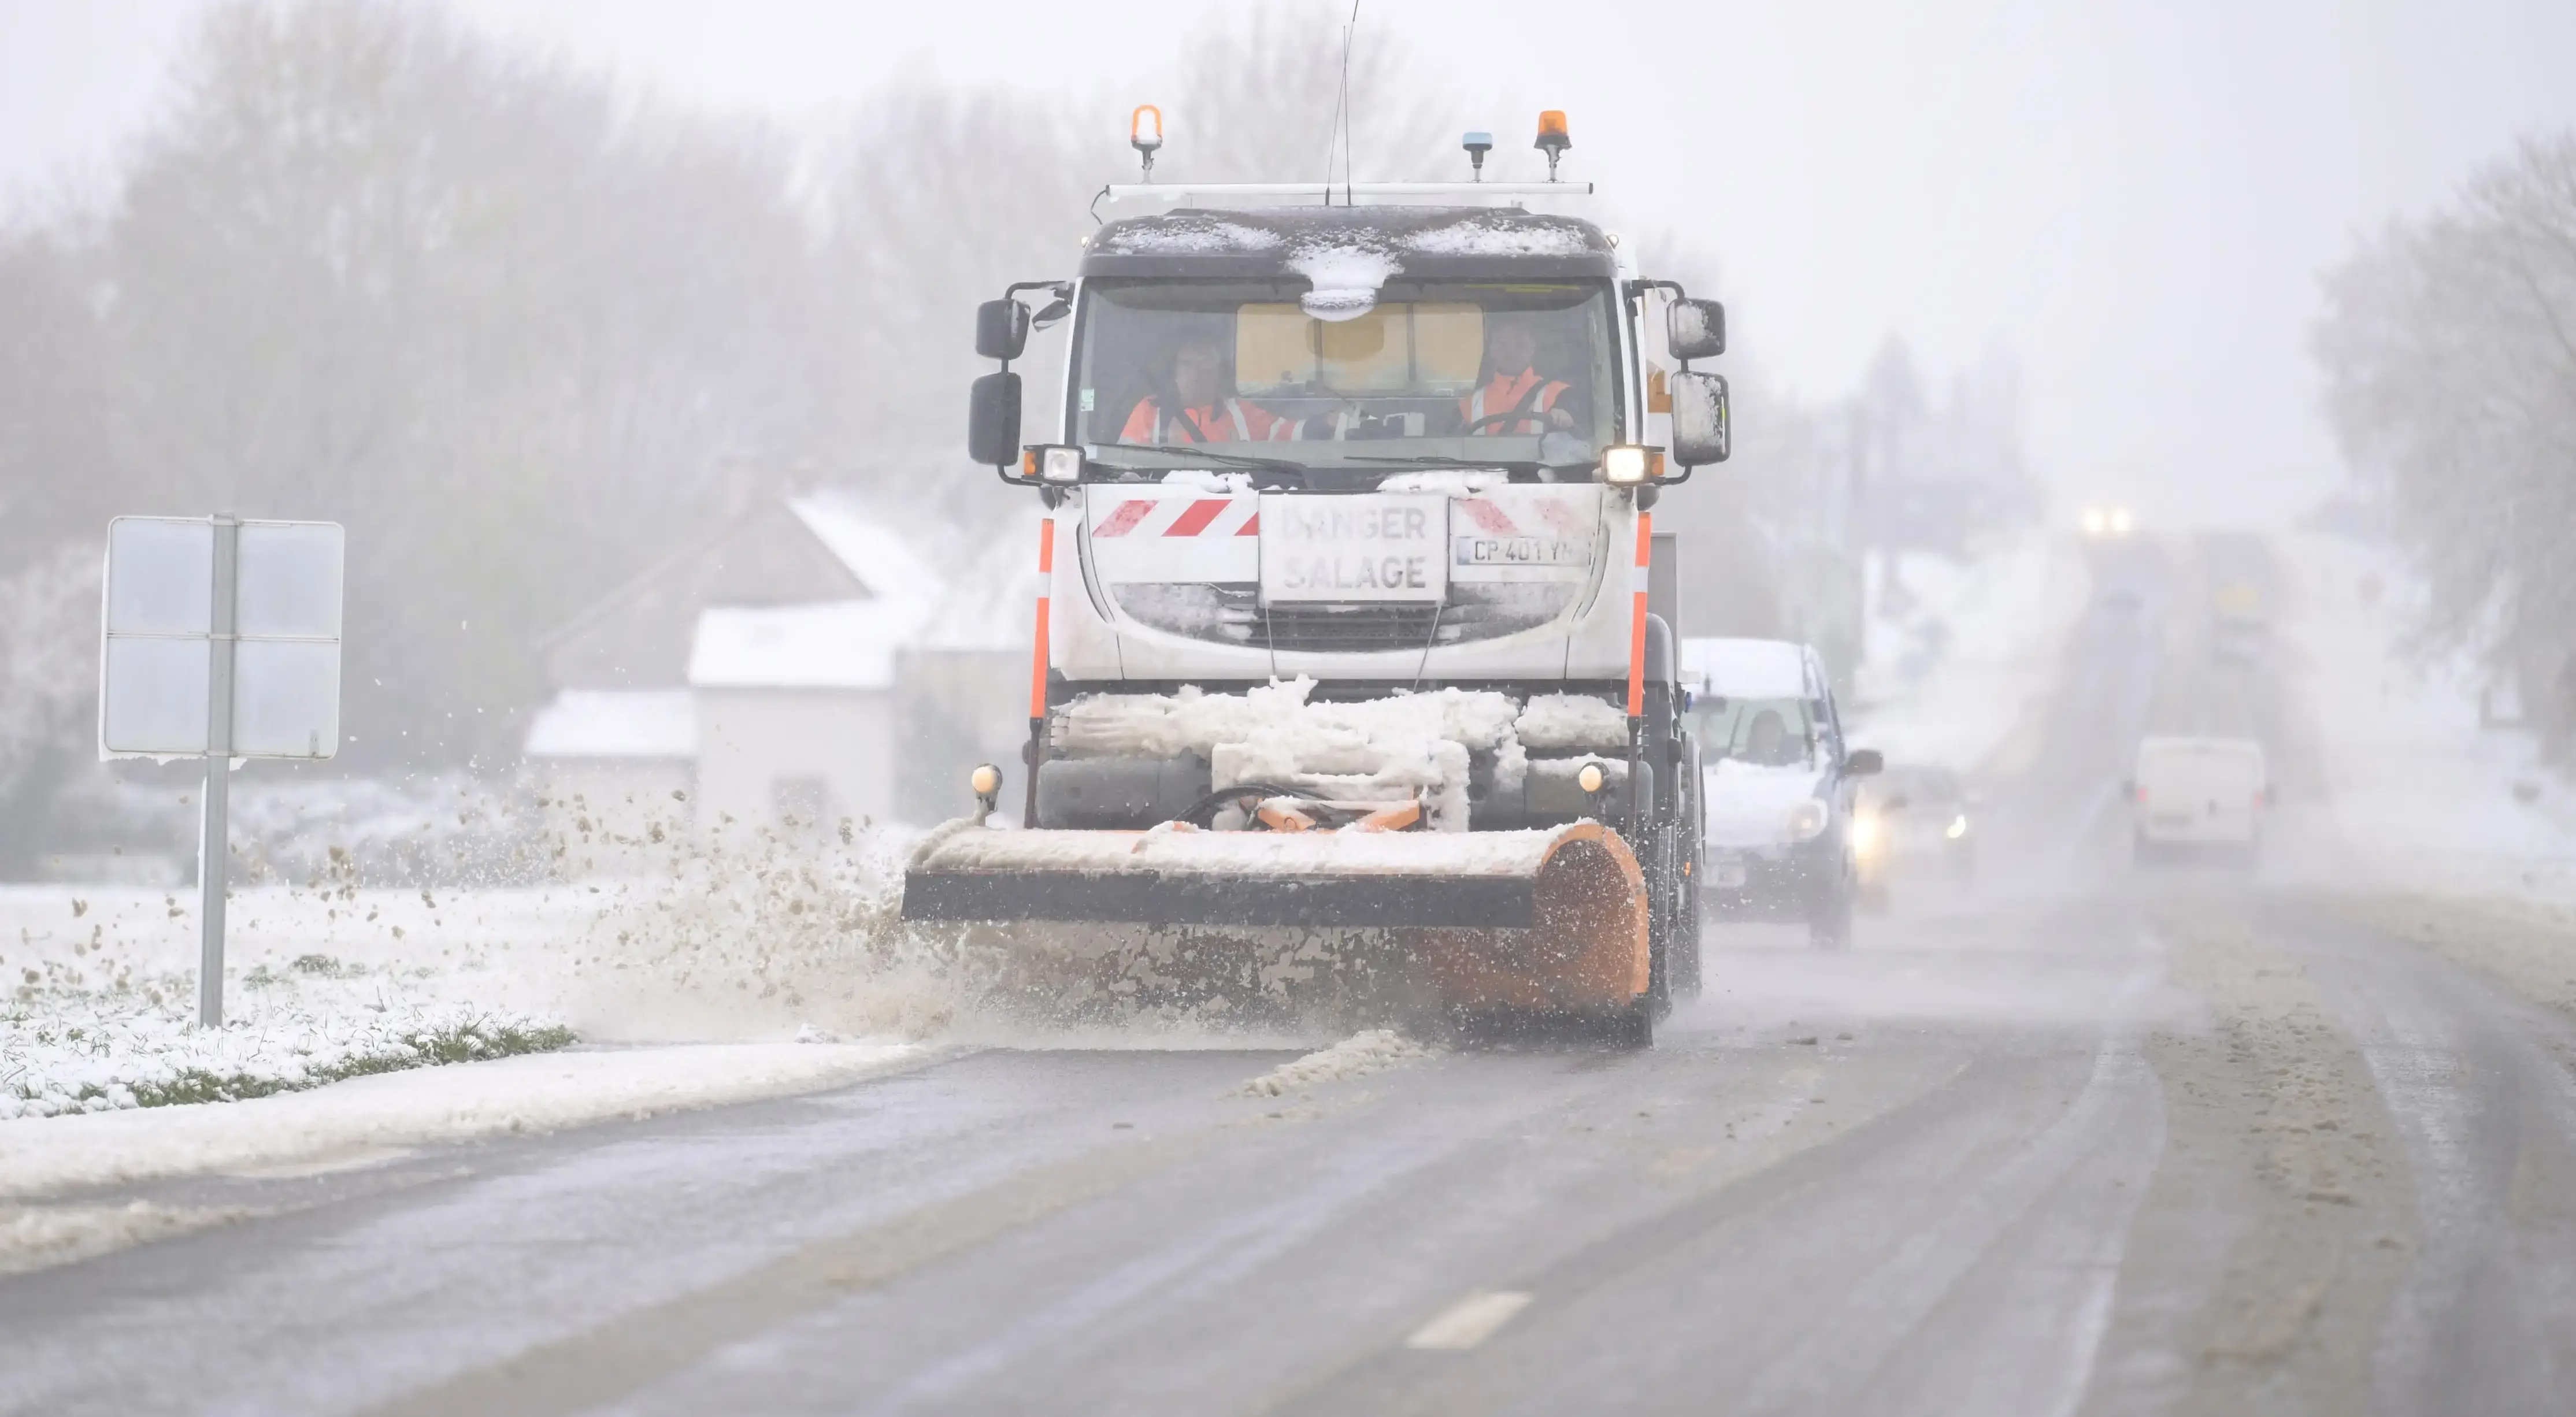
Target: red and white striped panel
{"points": [[1183, 516], [1531, 513]]}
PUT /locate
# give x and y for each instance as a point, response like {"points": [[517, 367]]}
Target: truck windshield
{"points": [[1515, 375]]}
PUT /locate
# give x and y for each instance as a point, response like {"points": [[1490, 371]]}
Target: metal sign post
{"points": [[214, 846], [220, 640]]}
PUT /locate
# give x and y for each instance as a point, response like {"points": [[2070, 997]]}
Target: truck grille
{"points": [[1232, 614]]}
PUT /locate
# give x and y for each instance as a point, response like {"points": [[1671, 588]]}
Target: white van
{"points": [[2199, 796]]}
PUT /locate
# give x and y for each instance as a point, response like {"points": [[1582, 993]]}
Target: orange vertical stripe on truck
{"points": [[1637, 617], [1046, 584]]}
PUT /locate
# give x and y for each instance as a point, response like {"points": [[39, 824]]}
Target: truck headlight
{"points": [[1807, 820], [1052, 462], [1626, 464], [1958, 828]]}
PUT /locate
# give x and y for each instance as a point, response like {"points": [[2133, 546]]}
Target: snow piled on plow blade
{"points": [[1488, 923]]}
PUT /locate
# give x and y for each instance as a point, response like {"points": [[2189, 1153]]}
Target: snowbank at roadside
{"points": [[535, 1093], [1972, 655], [98, 1053], [2418, 794]]}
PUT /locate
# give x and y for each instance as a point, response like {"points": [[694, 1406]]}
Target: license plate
{"points": [[1726, 875], [1520, 551]]}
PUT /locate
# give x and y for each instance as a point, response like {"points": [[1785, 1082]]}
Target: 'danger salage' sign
{"points": [[1374, 546]]}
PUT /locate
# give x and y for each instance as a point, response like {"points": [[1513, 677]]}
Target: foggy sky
{"points": [[2133, 200]]}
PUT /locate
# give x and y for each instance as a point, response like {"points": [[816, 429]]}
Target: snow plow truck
{"points": [[1345, 685]]}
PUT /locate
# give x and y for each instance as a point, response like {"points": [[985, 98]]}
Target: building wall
{"points": [[764, 754]]}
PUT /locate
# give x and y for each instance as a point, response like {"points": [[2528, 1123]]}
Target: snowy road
{"points": [[2180, 1144]]}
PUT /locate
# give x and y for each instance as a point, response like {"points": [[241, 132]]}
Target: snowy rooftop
{"points": [[838, 644], [1745, 669], [880, 555], [616, 723]]}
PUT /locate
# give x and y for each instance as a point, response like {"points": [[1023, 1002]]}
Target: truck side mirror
{"points": [[1695, 329], [993, 421], [1001, 329], [1699, 418], [1863, 762]]}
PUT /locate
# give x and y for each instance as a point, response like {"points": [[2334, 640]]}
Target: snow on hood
{"points": [[1749, 805]]}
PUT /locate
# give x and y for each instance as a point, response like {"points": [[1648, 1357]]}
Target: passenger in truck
{"points": [[1208, 414], [1513, 385]]}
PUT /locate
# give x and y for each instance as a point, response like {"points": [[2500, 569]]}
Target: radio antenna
{"points": [[1342, 116]]}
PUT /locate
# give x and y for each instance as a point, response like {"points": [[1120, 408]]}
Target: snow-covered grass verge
{"points": [[1356, 1056], [62, 1053], [1972, 654], [2417, 793], [371, 1116]]}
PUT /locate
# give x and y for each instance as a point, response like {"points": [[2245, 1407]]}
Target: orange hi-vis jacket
{"points": [[1226, 421], [1504, 395]]}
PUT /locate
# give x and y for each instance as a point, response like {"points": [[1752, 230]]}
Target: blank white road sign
{"points": [[159, 629]]}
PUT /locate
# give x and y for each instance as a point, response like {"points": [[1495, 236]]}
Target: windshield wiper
{"points": [[1195, 455], [1472, 464], [1444, 460]]}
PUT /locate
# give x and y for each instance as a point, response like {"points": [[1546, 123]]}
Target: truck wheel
{"points": [[1630, 1029]]}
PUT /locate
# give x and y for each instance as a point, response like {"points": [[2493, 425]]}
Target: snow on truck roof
{"points": [[1747, 669], [1422, 243]]}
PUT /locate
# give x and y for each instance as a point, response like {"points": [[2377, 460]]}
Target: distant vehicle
{"points": [[1777, 786], [2107, 523], [2238, 633], [1909, 818], [2199, 797]]}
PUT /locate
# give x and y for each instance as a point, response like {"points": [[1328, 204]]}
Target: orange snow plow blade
{"points": [[1528, 922]]}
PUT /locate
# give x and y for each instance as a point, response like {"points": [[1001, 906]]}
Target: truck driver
{"points": [[1208, 414], [1514, 386]]}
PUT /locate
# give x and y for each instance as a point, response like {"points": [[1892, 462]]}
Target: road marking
{"points": [[1469, 1322]]}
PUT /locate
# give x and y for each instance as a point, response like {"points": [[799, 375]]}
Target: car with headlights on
{"points": [[1777, 786], [1913, 820]]}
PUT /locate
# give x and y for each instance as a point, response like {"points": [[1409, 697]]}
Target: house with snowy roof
{"points": [[801, 665]]}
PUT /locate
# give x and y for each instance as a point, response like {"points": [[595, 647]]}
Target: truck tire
{"points": [[1630, 1030]]}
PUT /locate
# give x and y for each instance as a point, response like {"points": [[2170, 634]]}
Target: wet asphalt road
{"points": [[2077, 1141]]}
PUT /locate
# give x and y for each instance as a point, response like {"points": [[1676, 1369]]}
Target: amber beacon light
{"points": [[1145, 134], [1552, 138]]}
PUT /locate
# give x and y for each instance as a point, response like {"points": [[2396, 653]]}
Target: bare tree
{"points": [[507, 323], [2449, 347]]}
